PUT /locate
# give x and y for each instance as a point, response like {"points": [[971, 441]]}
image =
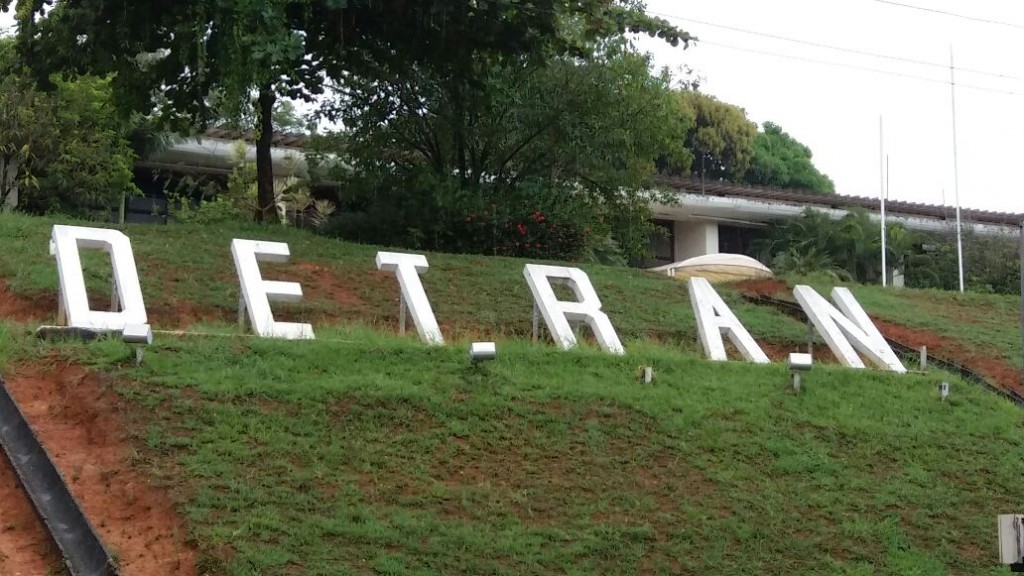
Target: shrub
{"points": [[530, 220]]}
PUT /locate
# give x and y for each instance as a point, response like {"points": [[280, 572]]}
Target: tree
{"points": [[780, 160], [253, 53], [721, 137], [586, 128], [60, 151]]}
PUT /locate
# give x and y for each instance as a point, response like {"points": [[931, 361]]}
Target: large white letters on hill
{"points": [[257, 293], [74, 302], [853, 323], [714, 317], [408, 268], [557, 314]]}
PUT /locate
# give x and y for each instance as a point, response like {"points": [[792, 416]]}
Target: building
{"points": [[715, 217], [209, 157], [707, 218]]}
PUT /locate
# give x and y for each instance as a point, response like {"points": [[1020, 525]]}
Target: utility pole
{"points": [[883, 177], [956, 177]]}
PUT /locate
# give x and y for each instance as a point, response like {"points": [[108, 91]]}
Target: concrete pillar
{"points": [[898, 280], [695, 239]]}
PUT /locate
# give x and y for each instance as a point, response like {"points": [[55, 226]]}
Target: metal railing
{"points": [[83, 551]]}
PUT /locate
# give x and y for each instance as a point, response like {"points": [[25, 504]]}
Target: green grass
{"points": [[188, 277], [367, 454]]}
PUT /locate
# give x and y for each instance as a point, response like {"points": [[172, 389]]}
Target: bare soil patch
{"points": [[992, 367], [321, 283], [763, 287], [41, 308], [80, 422], [25, 547]]}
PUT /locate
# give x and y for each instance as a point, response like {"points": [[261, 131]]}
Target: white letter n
{"points": [[853, 323]]}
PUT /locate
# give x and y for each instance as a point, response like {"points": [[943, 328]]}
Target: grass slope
{"points": [[188, 277], [363, 453], [367, 454]]}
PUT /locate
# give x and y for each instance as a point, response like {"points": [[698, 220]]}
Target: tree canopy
{"points": [[720, 136], [432, 149], [65, 150], [780, 160], [199, 55]]}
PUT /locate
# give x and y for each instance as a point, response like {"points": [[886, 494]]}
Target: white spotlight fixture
{"points": [[482, 351], [140, 335], [944, 390], [648, 375], [799, 362]]}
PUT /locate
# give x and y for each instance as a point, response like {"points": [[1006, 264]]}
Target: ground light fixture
{"points": [[482, 352], [139, 335], [799, 362], [944, 390]]}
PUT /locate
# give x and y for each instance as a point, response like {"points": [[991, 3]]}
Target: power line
{"points": [[860, 68], [836, 48], [953, 14]]}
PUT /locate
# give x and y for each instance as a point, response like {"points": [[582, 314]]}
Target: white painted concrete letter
{"points": [[839, 327], [64, 244], [557, 314], [258, 293], [714, 317], [408, 267]]}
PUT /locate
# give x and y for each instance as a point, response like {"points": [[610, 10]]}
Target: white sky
{"points": [[835, 111]]}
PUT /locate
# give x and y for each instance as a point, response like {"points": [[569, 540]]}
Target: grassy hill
{"points": [[188, 280], [366, 453]]}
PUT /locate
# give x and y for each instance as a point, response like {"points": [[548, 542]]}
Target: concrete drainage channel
{"points": [[901, 350], [82, 549]]}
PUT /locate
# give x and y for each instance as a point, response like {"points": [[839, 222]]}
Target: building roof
{"points": [[837, 201], [279, 140]]}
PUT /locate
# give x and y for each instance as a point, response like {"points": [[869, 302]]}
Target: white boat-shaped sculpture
{"points": [[717, 268]]}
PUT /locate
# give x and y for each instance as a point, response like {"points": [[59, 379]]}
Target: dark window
{"points": [[738, 239], [662, 243]]}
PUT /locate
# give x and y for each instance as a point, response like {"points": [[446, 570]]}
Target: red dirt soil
{"points": [[22, 309], [321, 283], [763, 287], [25, 547], [80, 423], [993, 368]]}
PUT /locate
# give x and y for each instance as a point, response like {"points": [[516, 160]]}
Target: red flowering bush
{"points": [[520, 233]]}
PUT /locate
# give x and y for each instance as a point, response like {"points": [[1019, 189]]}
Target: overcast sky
{"points": [[835, 109]]}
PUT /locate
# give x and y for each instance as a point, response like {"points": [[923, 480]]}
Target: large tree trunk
{"points": [[267, 210]]}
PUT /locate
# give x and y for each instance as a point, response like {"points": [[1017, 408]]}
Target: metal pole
{"points": [[885, 266], [956, 176], [536, 323], [883, 182], [401, 314], [1022, 302]]}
